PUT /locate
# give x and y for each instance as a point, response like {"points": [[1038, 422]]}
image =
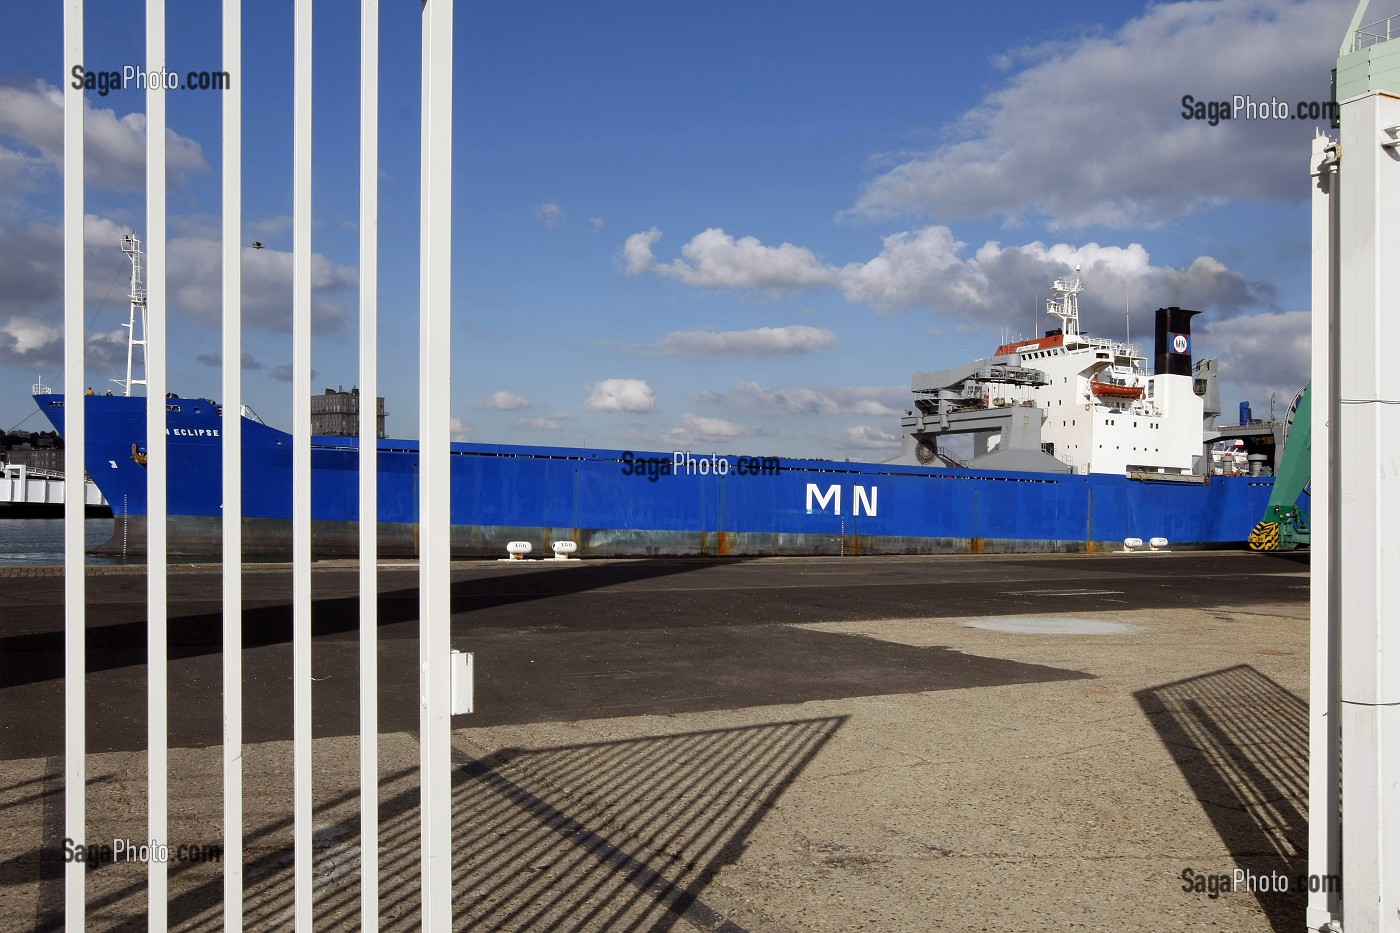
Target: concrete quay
{"points": [[998, 743]]}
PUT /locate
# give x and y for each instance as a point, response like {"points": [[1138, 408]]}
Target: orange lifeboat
{"points": [[1114, 390]]}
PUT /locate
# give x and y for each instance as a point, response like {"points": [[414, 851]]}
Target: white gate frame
{"points": [[75, 447], [232, 435], [1354, 762], [434, 466]]}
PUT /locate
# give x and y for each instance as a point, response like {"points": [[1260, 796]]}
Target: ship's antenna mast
{"points": [[131, 245], [1065, 304]]}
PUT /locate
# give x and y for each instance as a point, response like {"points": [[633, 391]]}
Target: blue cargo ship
{"points": [[627, 503], [1075, 447]]}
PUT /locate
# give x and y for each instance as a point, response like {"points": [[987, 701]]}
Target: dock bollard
{"points": [[1158, 543], [518, 549], [1131, 544], [562, 549]]}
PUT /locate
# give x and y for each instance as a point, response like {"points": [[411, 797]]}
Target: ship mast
{"points": [[131, 245], [1065, 304]]}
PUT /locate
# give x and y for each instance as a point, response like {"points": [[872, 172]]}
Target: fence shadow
{"points": [[1241, 742], [616, 835]]}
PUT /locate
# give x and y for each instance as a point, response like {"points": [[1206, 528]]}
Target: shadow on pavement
{"points": [[35, 656], [612, 835], [1241, 741]]}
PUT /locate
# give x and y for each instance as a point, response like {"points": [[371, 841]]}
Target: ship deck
{"points": [[774, 744]]}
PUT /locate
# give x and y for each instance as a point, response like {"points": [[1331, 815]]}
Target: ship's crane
{"points": [[1285, 523]]}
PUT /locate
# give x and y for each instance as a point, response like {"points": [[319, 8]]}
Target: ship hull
{"points": [[199, 537], [637, 504]]}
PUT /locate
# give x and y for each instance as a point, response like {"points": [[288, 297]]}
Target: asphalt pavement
{"points": [[999, 743]]}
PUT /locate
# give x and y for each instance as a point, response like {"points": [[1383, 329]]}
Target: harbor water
{"points": [[31, 542]]}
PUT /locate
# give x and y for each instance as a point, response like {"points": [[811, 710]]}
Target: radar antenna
{"points": [[1065, 304]]}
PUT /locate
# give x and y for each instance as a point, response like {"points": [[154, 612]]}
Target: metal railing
{"points": [[1116, 347], [948, 457], [1375, 33], [434, 428], [20, 471]]}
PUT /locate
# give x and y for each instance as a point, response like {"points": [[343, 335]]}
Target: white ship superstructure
{"points": [[1067, 402]]}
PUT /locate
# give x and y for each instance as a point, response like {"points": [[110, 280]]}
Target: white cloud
{"points": [[848, 400], [911, 269], [1090, 131], [1260, 355], [693, 427], [249, 362], [31, 264], [596, 223], [115, 151], [503, 401], [865, 437], [925, 268], [460, 429], [637, 256], [31, 276], [20, 172], [30, 342], [762, 341], [286, 373], [195, 275], [620, 395], [27, 335], [265, 228], [551, 214], [714, 259], [31, 283], [540, 424]]}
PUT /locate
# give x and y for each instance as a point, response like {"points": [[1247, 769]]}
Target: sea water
{"points": [[28, 542]]}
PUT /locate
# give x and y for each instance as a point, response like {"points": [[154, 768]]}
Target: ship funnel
{"points": [[1174, 341]]}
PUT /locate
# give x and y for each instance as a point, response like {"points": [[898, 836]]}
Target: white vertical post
{"points": [[301, 467], [75, 446], [434, 438], [369, 465], [1324, 831], [157, 469], [232, 438], [1367, 438]]}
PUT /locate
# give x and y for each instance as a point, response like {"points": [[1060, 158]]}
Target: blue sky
{"points": [[716, 227]]}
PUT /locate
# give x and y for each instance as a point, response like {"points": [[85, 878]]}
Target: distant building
{"points": [[338, 412], [38, 458], [37, 450]]}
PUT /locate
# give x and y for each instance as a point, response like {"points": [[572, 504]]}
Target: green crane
{"points": [[1285, 524]]}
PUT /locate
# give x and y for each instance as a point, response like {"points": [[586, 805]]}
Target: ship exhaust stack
{"points": [[1173, 352]]}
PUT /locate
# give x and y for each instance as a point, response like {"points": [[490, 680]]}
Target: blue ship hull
{"points": [[623, 503]]}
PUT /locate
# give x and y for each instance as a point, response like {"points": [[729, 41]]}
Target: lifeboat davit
{"points": [[1114, 390]]}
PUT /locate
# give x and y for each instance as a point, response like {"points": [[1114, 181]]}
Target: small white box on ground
{"points": [[462, 686]]}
